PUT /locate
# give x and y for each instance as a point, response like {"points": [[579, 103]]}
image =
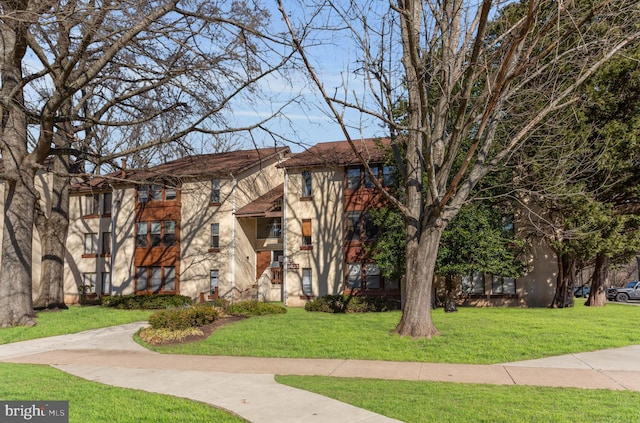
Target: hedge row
{"points": [[145, 302], [183, 318], [253, 308], [351, 304]]}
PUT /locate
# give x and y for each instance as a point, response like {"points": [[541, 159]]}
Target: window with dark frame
{"points": [[141, 279], [306, 233], [106, 243], [141, 235], [214, 280], [92, 204], [353, 178], [106, 283], [156, 234], [306, 183], [307, 282], [353, 228], [169, 235], [156, 192], [91, 243], [106, 204], [368, 183], [170, 193], [215, 235], [215, 191], [354, 277], [143, 194], [88, 283]]}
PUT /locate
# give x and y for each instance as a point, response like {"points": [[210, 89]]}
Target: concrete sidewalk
{"points": [[245, 385]]}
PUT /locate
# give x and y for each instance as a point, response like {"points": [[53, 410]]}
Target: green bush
{"points": [[182, 318], [146, 301], [351, 304], [254, 308]]}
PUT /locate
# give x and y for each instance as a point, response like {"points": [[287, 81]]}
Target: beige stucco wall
{"points": [[325, 210], [236, 260]]}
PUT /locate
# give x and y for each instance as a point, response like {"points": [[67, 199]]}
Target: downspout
{"points": [[285, 272], [234, 184]]}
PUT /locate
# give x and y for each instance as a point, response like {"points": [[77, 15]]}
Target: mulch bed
{"points": [[207, 330]]}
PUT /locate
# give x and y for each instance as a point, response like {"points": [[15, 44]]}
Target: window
{"points": [[143, 194], [141, 279], [372, 276], [106, 243], [169, 238], [473, 284], [169, 278], [306, 183], [91, 243], [354, 278], [214, 280], [156, 192], [156, 234], [353, 225], [306, 233], [169, 194], [88, 283], [353, 178], [388, 178], [215, 191], [106, 283], [371, 230], [307, 286], [92, 204], [106, 203], [155, 279], [215, 235], [141, 237], [269, 228], [368, 183], [501, 285]]}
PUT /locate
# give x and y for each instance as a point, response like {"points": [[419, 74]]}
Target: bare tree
{"points": [[101, 80], [463, 70]]}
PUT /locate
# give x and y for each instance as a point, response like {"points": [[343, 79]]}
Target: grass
{"points": [[91, 402], [472, 335], [411, 401], [76, 319]]}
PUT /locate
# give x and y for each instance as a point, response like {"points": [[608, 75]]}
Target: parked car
{"points": [[581, 291], [631, 291]]}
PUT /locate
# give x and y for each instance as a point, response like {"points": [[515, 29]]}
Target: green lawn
{"points": [[418, 402], [472, 335], [76, 319], [91, 402]]}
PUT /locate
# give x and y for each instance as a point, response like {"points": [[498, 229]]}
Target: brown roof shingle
{"points": [[340, 153], [265, 205]]}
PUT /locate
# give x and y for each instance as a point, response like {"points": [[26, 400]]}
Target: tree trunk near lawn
{"points": [[598, 296], [421, 254], [565, 281], [16, 305], [450, 294], [53, 233]]}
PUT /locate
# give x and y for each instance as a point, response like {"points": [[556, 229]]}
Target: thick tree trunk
{"points": [[565, 282], [598, 296], [16, 306], [450, 294], [53, 233], [421, 260]]}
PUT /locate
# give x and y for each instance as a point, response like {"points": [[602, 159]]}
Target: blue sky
{"points": [[308, 122]]}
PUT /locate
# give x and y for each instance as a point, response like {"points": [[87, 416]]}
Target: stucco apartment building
{"points": [[263, 224]]}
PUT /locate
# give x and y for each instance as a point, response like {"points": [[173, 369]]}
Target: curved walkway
{"points": [[246, 385]]}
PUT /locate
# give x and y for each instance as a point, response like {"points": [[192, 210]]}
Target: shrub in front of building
{"points": [[254, 308], [146, 301], [351, 304]]}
